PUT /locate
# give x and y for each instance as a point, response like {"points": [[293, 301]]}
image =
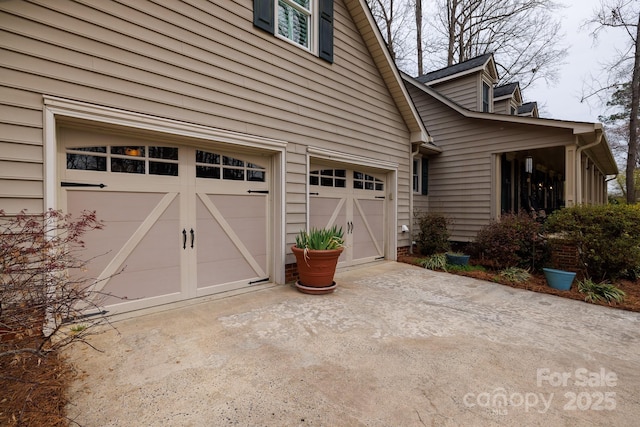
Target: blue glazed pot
{"points": [[559, 279], [457, 259]]}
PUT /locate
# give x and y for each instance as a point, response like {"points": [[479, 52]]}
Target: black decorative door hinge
{"points": [[81, 184]]}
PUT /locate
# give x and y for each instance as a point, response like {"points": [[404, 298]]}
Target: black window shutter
{"points": [[263, 14], [425, 176], [325, 30]]}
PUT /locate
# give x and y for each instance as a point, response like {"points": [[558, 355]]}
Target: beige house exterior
{"points": [[205, 134], [497, 154]]}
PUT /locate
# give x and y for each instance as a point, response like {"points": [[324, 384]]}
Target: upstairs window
{"points": [[307, 23], [294, 19], [486, 101]]}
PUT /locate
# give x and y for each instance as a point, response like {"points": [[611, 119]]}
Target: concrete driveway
{"points": [[395, 345]]}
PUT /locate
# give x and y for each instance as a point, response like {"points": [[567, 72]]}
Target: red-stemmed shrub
{"points": [[513, 241]]}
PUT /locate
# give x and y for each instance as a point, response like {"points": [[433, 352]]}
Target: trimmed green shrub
{"points": [[515, 274], [513, 241], [434, 262], [607, 237], [594, 292], [433, 235]]}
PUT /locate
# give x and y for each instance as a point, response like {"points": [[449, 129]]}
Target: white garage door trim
{"points": [[352, 161], [56, 108]]}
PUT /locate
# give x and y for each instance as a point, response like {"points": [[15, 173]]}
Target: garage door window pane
{"points": [[328, 178], [85, 162], [90, 149], [254, 175], [166, 153], [207, 157], [233, 174], [362, 181], [207, 172], [158, 168], [127, 165], [230, 161], [326, 182], [134, 151], [232, 169]]}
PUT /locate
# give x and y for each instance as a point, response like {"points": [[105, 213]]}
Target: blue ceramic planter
{"points": [[559, 279], [457, 259]]}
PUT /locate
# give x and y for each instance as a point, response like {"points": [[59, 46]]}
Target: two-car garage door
{"points": [[181, 221]]}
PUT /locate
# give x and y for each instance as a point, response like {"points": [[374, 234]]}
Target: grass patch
{"points": [[455, 268]]}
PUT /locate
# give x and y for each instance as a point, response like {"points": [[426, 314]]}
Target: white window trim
{"points": [[489, 96], [313, 24], [416, 172]]}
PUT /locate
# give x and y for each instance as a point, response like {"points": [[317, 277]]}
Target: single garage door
{"points": [[354, 200], [180, 221]]}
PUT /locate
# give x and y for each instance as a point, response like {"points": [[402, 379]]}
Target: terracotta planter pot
{"points": [[316, 270]]}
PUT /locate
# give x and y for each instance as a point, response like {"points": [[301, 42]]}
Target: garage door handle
{"points": [[184, 239], [193, 237]]}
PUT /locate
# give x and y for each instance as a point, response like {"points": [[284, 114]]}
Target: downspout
{"points": [[606, 186], [579, 165], [412, 156]]}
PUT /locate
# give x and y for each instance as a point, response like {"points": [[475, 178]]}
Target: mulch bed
{"points": [[33, 388], [538, 283]]}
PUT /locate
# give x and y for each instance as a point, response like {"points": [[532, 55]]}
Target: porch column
{"points": [[570, 175], [592, 184], [496, 184]]}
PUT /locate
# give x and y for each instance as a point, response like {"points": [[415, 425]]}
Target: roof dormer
{"points": [[529, 109], [507, 99], [469, 83]]}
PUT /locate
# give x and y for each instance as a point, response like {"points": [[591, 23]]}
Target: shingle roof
{"points": [[470, 64], [504, 90], [527, 108]]}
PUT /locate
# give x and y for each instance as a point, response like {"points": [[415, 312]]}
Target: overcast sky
{"points": [[586, 59]]}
